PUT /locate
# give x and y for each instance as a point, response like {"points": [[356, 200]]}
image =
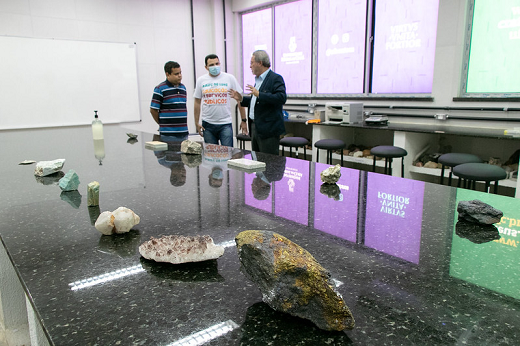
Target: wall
{"points": [[160, 28]]}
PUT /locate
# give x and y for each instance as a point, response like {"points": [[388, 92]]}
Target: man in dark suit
{"points": [[265, 104]]}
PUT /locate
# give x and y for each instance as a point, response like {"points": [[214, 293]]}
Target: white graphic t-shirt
{"points": [[215, 101]]}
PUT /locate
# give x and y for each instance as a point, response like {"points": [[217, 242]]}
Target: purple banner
{"points": [[404, 46], [394, 216], [341, 46], [293, 40], [337, 215], [292, 192], [256, 35]]}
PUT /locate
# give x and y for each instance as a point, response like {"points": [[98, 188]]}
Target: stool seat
{"points": [[294, 142], [454, 159], [329, 145], [473, 172], [388, 152]]}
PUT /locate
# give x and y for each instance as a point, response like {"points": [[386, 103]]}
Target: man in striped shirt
{"points": [[168, 105]]}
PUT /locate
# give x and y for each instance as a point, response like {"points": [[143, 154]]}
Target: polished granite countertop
{"points": [[393, 247]]}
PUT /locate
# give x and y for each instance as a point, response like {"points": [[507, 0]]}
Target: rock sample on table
{"points": [[70, 181], [44, 168], [191, 147], [476, 220], [93, 194], [331, 175], [291, 280], [119, 221], [180, 249], [478, 212]]}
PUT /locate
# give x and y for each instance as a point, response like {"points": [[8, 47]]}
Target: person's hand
{"points": [[235, 95], [253, 90], [243, 127], [200, 129]]}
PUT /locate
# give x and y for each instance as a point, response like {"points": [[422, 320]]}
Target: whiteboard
{"points": [[48, 82]]}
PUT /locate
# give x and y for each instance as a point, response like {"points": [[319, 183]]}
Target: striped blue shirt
{"points": [[170, 100]]}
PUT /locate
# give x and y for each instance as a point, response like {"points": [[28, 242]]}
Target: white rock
{"points": [[44, 168], [105, 223], [119, 221], [179, 249], [125, 219]]}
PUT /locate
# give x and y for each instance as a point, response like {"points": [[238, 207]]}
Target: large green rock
{"points": [[291, 280], [70, 181]]}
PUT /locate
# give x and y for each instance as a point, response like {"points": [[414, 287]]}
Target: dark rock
{"points": [[478, 212], [291, 280], [477, 233]]}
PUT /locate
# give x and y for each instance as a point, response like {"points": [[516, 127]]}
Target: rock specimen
{"points": [[93, 194], [291, 280], [191, 147], [478, 212], [44, 168], [70, 181], [119, 221], [179, 249], [331, 175]]}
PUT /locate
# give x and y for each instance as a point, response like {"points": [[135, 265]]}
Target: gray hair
{"points": [[262, 57]]}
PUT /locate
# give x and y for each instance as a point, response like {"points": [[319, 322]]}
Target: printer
{"points": [[344, 112]]}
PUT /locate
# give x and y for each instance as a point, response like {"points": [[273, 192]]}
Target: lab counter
{"points": [[407, 269]]}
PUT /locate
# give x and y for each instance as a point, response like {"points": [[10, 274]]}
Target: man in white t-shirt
{"points": [[212, 100]]}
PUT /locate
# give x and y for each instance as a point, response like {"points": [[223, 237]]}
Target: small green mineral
{"points": [[93, 194]]}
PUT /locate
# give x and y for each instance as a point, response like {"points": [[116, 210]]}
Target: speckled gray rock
{"points": [[331, 175], [70, 181], [191, 147], [44, 168], [291, 280], [179, 249], [478, 212]]}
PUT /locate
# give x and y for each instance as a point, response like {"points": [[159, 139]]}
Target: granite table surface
{"points": [[409, 271]]}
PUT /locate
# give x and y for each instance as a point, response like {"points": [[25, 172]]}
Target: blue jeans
{"points": [[212, 134]]}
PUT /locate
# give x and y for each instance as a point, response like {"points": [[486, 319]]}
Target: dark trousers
{"points": [[269, 145]]}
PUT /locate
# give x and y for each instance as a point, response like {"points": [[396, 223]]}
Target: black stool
{"points": [[454, 159], [473, 172], [329, 145], [294, 142], [242, 139], [388, 152]]}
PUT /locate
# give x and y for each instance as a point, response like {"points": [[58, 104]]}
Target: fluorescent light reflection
{"points": [[228, 243], [207, 334], [100, 279]]}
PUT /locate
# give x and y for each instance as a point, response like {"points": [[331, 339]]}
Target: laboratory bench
{"points": [[409, 271]]}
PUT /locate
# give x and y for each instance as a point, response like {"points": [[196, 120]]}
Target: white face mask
{"points": [[214, 70]]}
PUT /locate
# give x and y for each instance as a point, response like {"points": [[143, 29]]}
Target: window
{"points": [[493, 45]]}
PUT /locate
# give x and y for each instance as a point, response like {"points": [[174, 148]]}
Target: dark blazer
{"points": [[269, 106]]}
